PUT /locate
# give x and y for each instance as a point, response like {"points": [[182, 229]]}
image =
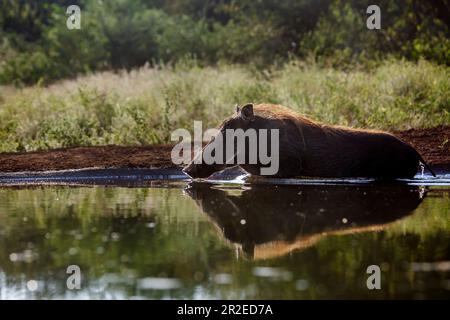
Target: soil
{"points": [[432, 143]]}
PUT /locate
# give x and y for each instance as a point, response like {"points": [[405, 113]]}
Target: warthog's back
{"points": [[343, 152], [334, 151]]}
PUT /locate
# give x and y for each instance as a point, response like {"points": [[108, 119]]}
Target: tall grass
{"points": [[145, 105]]}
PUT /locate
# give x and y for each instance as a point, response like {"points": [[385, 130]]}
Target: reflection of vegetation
{"points": [[112, 232], [433, 217], [118, 222]]}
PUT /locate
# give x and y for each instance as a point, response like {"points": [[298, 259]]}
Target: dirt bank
{"points": [[433, 144]]}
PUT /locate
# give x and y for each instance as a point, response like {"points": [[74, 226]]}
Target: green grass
{"points": [[145, 105]]}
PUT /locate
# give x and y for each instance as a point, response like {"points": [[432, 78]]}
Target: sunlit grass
{"points": [[145, 105]]}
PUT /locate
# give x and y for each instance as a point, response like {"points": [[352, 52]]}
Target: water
{"points": [[134, 236]]}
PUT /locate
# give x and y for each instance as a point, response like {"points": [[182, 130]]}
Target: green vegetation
{"points": [[36, 46], [141, 69], [144, 106]]}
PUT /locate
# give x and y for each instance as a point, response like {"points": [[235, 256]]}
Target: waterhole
{"points": [[149, 234]]}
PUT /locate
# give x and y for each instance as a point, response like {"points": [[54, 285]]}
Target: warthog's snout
{"points": [[196, 171], [190, 170]]}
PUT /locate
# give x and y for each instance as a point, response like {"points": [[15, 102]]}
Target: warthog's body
{"points": [[308, 148]]}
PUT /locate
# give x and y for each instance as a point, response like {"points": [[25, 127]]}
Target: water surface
{"points": [[178, 239]]}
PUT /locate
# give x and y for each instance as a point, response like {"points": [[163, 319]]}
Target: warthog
{"points": [[313, 149]]}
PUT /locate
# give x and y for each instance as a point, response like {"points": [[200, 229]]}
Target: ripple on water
{"points": [[272, 273], [140, 177], [223, 278], [155, 283]]}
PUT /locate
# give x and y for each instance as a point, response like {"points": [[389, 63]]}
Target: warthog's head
{"points": [[199, 168]]}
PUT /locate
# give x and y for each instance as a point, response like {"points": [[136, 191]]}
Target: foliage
{"points": [[143, 106], [37, 47]]}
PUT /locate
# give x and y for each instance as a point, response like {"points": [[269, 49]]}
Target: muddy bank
{"points": [[111, 156], [433, 144]]}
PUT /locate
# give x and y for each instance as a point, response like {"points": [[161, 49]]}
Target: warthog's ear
{"points": [[247, 112], [237, 108]]}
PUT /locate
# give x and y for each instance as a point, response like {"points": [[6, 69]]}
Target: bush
{"points": [[27, 68], [59, 54], [125, 34], [144, 106]]}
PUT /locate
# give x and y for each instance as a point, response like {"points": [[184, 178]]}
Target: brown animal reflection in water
{"points": [[268, 221]]}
